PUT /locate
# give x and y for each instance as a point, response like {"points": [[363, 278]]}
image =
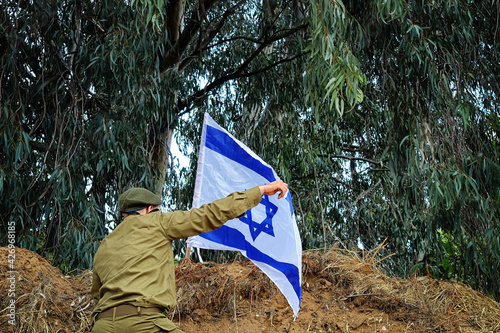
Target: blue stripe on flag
{"points": [[223, 144], [289, 199], [234, 238]]}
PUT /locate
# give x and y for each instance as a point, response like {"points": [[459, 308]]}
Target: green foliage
{"points": [[382, 115], [82, 107], [334, 66], [422, 145], [91, 92]]}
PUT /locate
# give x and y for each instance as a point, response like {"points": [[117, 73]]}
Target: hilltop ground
{"points": [[343, 291]]}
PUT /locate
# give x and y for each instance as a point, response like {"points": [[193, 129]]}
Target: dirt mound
{"points": [[342, 292]]}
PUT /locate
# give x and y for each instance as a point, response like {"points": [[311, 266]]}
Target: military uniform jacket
{"points": [[134, 264]]}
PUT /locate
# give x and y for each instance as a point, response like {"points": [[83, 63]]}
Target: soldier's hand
{"points": [[273, 188]]}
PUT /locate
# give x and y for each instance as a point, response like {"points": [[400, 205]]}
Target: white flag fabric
{"points": [[267, 234]]}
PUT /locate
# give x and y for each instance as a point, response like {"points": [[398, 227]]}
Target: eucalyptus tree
{"points": [[91, 92], [393, 135], [382, 116], [415, 86]]}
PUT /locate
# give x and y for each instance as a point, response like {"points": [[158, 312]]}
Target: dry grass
{"points": [[34, 311], [49, 302], [46, 301], [428, 299], [44, 309], [350, 276], [213, 287]]}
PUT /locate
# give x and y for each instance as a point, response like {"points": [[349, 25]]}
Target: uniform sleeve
{"points": [[96, 286], [183, 224]]}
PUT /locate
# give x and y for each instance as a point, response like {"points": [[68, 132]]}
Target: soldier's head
{"points": [[138, 201]]}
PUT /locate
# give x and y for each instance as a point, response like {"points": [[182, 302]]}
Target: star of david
{"points": [[266, 225]]}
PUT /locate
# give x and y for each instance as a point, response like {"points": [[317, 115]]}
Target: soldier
{"points": [[133, 275]]}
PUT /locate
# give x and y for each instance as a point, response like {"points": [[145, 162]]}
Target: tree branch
{"points": [[202, 45], [39, 146], [362, 196], [173, 55], [352, 148], [239, 72], [264, 45], [174, 11], [351, 158]]}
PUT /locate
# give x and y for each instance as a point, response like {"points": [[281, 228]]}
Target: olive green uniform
{"points": [[134, 264]]}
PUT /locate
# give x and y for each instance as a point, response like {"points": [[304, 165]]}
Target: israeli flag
{"points": [[267, 234]]}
